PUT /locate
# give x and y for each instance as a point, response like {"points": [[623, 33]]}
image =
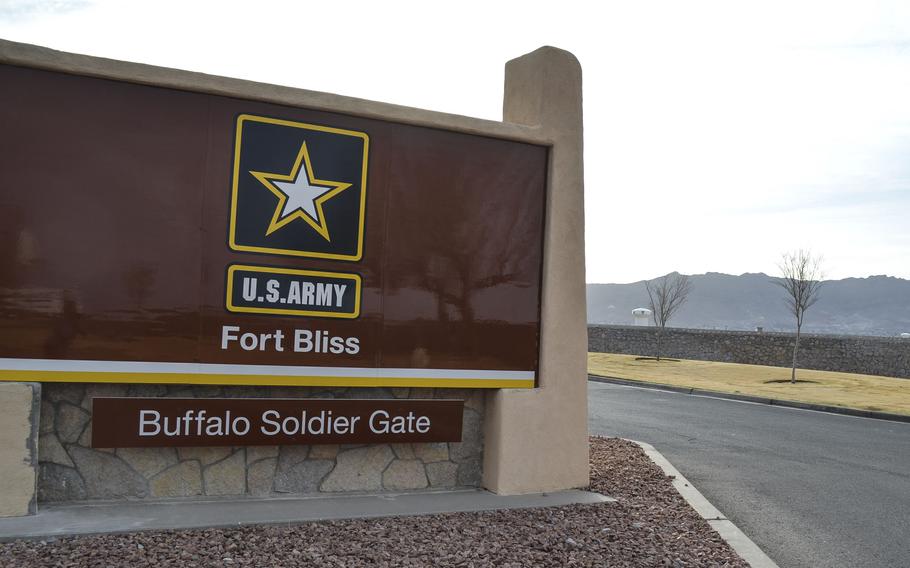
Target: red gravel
{"points": [[650, 525]]}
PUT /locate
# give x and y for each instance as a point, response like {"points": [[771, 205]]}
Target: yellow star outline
{"points": [[303, 157]]}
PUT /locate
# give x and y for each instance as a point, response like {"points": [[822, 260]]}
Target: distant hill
{"points": [[877, 305]]}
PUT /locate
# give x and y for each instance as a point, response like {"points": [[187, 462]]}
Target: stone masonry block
{"points": [[302, 477], [227, 477], [148, 461], [404, 474], [471, 444], [181, 480], [432, 452], [59, 483], [442, 474], [50, 450], [205, 456], [106, 476], [71, 421], [260, 476], [359, 469]]}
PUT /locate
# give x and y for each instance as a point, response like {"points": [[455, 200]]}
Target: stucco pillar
{"points": [[19, 410], [537, 440]]}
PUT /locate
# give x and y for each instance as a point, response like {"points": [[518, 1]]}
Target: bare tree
{"points": [[666, 295], [801, 277]]}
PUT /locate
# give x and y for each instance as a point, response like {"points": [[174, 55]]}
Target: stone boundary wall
{"points": [[70, 470], [884, 356]]}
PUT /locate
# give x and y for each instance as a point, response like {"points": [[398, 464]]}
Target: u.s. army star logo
{"points": [[300, 195], [298, 189]]}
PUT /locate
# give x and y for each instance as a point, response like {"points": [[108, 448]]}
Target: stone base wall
{"points": [[884, 356], [70, 470]]}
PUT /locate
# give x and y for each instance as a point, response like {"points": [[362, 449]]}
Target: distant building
{"points": [[641, 316], [905, 336]]}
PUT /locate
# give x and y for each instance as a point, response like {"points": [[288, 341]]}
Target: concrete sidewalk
{"points": [[113, 517]]}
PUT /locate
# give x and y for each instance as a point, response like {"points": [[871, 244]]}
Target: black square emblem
{"points": [[298, 189]]}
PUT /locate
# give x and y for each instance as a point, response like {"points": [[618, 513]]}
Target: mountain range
{"points": [[877, 305]]}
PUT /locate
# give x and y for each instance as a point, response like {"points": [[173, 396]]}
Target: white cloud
{"points": [[17, 10]]}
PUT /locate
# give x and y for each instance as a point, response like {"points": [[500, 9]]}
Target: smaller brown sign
{"points": [[165, 422]]}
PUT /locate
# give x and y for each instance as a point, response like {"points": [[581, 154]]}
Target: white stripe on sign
{"points": [[63, 365]]}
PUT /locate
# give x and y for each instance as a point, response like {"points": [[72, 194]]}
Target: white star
{"points": [[301, 195]]}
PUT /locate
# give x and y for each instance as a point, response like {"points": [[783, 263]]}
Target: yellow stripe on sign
{"points": [[259, 380]]}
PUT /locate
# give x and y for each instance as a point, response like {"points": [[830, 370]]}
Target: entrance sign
{"points": [[172, 236], [170, 422], [133, 200]]}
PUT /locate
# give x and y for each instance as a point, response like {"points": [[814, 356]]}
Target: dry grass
{"points": [[866, 392]]}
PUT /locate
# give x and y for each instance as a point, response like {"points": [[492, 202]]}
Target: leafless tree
{"points": [[801, 277], [666, 295]]}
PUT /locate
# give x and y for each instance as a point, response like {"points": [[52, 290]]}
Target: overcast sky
{"points": [[717, 134]]}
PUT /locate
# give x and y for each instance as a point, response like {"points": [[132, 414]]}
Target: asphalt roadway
{"points": [[812, 489]]}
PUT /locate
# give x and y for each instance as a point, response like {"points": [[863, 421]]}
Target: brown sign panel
{"points": [[155, 235], [170, 422]]}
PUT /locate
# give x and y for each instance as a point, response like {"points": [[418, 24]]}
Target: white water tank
{"points": [[641, 316]]}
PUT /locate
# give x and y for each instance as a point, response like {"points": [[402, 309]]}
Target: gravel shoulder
{"points": [[649, 525]]}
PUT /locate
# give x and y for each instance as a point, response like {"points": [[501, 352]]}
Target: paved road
{"points": [[811, 489]]}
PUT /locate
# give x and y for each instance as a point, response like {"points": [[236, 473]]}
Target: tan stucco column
{"points": [[19, 410], [537, 440]]}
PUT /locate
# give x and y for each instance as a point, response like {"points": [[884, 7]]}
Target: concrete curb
{"points": [[90, 518], [756, 399], [742, 544]]}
